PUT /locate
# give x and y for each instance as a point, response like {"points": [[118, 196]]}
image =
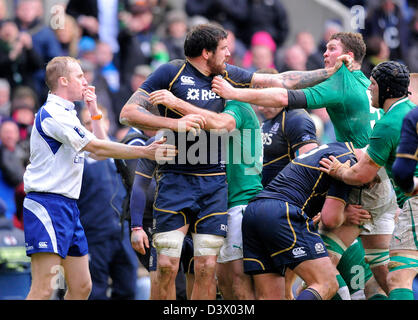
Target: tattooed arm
{"points": [[291, 79], [140, 113], [300, 79]]}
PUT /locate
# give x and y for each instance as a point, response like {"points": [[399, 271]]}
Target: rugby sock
{"points": [[309, 294], [343, 293], [401, 294], [378, 296]]}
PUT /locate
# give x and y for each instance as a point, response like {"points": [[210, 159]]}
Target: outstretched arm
{"points": [[158, 150], [361, 173], [266, 97], [300, 79]]}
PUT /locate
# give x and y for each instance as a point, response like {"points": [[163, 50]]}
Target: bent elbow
{"points": [[124, 116]]}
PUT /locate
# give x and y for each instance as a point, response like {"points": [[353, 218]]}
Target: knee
{"points": [[205, 266], [43, 293], [81, 291], [167, 267], [85, 288]]}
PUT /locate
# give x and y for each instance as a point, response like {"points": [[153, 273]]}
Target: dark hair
{"points": [[352, 42], [392, 78], [203, 36]]}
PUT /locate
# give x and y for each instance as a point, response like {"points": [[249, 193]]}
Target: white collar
{"points": [[396, 103], [68, 105]]}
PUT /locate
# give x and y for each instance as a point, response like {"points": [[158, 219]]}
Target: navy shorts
{"points": [[200, 201], [277, 235], [52, 224]]}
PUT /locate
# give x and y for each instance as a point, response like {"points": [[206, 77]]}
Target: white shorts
{"points": [[232, 248], [380, 201], [405, 235]]}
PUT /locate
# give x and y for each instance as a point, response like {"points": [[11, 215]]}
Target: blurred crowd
{"points": [[120, 42]]}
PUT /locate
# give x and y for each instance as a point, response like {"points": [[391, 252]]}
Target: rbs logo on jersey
{"points": [[201, 94]]}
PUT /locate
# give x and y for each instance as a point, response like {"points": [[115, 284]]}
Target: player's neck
{"points": [[356, 66], [200, 64], [390, 102]]}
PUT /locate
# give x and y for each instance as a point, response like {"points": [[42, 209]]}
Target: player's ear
{"points": [[205, 54]]}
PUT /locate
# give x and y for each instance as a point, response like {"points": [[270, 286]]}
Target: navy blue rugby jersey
{"points": [[302, 184], [283, 135], [200, 154]]}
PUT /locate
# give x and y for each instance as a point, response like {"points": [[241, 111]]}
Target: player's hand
{"points": [[139, 241], [90, 99], [316, 219], [347, 60], [355, 214], [333, 167], [163, 97], [191, 122], [160, 151], [222, 88]]}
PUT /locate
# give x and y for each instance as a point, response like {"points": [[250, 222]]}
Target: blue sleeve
{"points": [[237, 76], [403, 170], [143, 176], [299, 129], [404, 167], [339, 190], [138, 200]]}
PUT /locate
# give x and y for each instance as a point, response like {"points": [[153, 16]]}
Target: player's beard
{"points": [[215, 68]]}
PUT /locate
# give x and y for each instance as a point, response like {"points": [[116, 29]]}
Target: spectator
{"points": [[4, 98], [18, 59], [236, 48], [294, 59], [262, 52], [105, 98], [11, 169], [29, 18], [98, 19], [413, 47], [135, 40], [3, 10], [24, 104], [330, 27], [141, 72], [387, 21], [87, 49], [176, 29], [270, 16], [69, 37], [100, 205], [231, 14], [377, 51], [306, 41], [107, 68]]}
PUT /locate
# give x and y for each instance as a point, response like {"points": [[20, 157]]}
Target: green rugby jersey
{"points": [[385, 139], [347, 100], [245, 155]]}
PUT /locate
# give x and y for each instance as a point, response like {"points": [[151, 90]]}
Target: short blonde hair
{"points": [[56, 68]]}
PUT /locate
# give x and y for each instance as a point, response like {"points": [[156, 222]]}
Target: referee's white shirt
{"points": [[56, 160]]}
